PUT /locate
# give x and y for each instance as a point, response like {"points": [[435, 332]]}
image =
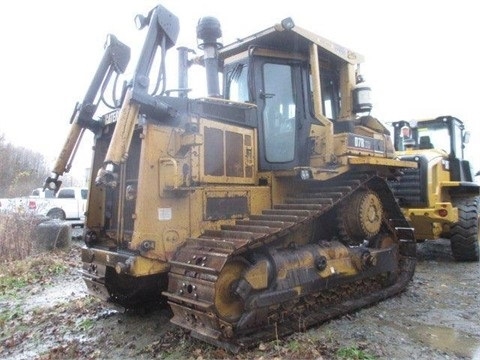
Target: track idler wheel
{"points": [[360, 218], [228, 304]]}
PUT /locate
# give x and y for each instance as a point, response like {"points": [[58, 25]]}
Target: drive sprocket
{"points": [[360, 218]]}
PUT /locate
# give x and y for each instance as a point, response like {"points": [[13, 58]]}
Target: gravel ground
{"points": [[53, 317]]}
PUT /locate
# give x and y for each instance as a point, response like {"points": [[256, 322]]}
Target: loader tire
{"points": [[464, 240]]}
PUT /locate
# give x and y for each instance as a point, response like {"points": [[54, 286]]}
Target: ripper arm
{"points": [[163, 28], [115, 60]]}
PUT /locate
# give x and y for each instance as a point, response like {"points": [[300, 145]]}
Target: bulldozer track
{"points": [[196, 278]]}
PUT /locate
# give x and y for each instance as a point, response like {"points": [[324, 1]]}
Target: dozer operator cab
{"points": [[275, 75], [305, 88]]}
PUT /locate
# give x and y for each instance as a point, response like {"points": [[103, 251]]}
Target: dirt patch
{"points": [[49, 315]]}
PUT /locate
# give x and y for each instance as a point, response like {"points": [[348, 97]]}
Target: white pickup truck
{"points": [[68, 204]]}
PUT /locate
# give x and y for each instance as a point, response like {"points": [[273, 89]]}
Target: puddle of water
{"points": [[445, 339], [442, 338], [476, 355], [50, 296]]}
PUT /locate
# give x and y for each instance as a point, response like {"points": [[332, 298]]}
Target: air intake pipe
{"points": [[208, 34]]}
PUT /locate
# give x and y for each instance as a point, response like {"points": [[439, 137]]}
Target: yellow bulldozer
{"points": [[440, 197], [260, 209]]}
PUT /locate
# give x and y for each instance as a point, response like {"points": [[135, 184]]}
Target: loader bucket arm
{"points": [[163, 28], [115, 60]]}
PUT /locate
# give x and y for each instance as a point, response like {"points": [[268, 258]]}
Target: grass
{"points": [[16, 232], [353, 353], [294, 346], [176, 344], [22, 235], [86, 324], [8, 315], [15, 275]]}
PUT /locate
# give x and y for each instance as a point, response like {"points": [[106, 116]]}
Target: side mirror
{"points": [[466, 137]]}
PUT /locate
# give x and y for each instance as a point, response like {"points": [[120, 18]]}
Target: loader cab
{"points": [[445, 134]]}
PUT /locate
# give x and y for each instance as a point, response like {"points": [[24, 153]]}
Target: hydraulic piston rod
{"points": [[115, 60]]}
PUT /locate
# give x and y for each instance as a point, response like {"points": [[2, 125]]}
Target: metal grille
{"points": [[410, 188], [112, 195]]}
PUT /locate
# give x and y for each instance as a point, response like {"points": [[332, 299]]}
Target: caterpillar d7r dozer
{"points": [[440, 197], [258, 210]]}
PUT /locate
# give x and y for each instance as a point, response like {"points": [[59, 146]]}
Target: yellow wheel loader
{"points": [[258, 210], [440, 197]]}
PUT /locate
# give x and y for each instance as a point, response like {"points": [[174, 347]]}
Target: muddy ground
{"points": [[49, 315]]}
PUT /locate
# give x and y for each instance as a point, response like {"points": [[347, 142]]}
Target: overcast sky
{"points": [[421, 57]]}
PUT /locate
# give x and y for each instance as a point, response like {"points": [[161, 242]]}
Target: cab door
{"points": [[283, 122]]}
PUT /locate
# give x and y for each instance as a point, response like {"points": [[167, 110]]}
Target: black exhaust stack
{"points": [[183, 64], [208, 33]]}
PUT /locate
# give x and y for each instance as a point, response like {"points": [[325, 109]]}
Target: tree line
{"points": [[21, 169]]}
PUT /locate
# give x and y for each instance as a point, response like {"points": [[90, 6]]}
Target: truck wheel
{"points": [[464, 239], [56, 213]]}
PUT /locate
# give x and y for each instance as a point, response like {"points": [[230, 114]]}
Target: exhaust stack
{"points": [[208, 34], [183, 65]]}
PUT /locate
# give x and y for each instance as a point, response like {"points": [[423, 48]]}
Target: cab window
{"points": [[279, 113], [237, 83]]}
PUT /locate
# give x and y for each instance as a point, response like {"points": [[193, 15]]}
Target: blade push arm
{"points": [[115, 60]]}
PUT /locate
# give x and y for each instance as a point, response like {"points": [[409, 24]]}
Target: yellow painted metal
{"points": [[347, 84], [168, 210], [74, 136], [168, 175], [432, 214], [143, 266], [347, 55], [246, 166], [342, 147], [229, 306], [124, 263], [339, 262], [257, 275], [122, 135], [322, 135], [170, 225], [427, 221], [353, 160]]}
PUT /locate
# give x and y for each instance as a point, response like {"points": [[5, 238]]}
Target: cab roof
{"points": [[287, 36], [442, 118]]}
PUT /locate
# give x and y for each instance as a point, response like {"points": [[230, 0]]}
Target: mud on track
{"points": [[437, 317]]}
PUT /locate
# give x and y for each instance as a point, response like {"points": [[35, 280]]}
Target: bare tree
{"points": [[21, 169]]}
